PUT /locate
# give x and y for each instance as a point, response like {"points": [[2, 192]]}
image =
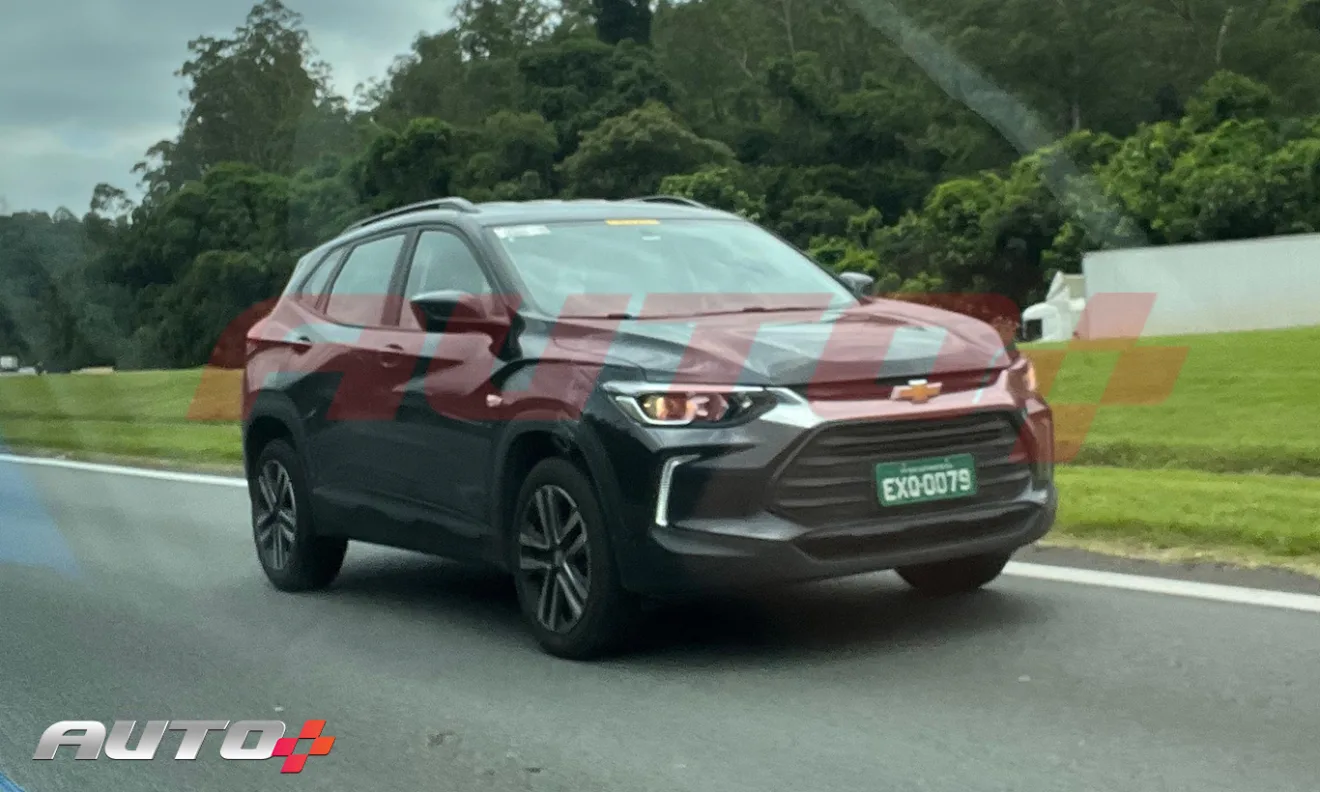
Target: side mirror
{"points": [[457, 310], [861, 283]]}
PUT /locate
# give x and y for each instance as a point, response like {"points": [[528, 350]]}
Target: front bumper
{"points": [[704, 510], [709, 555]]}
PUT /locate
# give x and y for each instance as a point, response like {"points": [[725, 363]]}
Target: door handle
{"points": [[301, 344], [393, 355]]}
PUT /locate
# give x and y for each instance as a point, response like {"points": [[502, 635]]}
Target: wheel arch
{"points": [[273, 417], [525, 445]]}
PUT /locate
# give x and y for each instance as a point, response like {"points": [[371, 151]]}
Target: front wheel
{"points": [[568, 584], [957, 576], [293, 557]]}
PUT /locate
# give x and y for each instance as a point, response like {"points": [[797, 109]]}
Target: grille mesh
{"points": [[831, 478]]}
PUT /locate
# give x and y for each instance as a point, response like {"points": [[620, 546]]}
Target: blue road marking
{"points": [[28, 533], [8, 786]]}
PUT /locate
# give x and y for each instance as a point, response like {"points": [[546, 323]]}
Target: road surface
{"points": [[139, 598]]}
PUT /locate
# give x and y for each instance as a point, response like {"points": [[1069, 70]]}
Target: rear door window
{"points": [[359, 293]]}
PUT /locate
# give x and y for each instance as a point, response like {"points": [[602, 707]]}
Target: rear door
{"points": [[349, 417]]}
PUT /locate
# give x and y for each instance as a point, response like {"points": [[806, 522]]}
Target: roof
{"points": [[502, 213], [495, 213]]}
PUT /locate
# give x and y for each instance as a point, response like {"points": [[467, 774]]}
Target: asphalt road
{"points": [[126, 597]]}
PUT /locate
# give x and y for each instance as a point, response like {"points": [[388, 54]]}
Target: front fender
{"points": [[573, 439]]}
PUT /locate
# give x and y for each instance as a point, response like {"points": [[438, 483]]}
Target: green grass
{"points": [[1243, 402], [201, 443], [1235, 440], [139, 414], [1231, 517], [161, 396]]}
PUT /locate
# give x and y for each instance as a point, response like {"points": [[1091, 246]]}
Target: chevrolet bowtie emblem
{"points": [[918, 391]]}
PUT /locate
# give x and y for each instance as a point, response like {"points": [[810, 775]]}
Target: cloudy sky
{"points": [[87, 85]]}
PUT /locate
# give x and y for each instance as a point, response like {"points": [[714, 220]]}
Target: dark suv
{"points": [[617, 400]]}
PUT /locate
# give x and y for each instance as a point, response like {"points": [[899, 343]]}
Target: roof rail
{"points": [[455, 203], [671, 199]]}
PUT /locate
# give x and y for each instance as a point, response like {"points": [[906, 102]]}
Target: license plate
{"points": [[924, 480]]}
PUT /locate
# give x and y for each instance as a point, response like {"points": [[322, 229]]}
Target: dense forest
{"points": [[959, 146]]}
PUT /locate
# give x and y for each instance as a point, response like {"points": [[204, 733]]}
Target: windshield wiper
{"points": [[626, 316], [756, 309]]}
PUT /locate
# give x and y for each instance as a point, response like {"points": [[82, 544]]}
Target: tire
{"points": [[957, 576], [293, 557], [568, 582]]}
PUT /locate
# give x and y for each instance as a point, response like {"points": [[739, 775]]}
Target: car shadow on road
{"points": [[871, 611], [864, 612]]}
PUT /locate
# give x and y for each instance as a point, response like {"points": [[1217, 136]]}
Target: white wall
{"points": [[1217, 286]]}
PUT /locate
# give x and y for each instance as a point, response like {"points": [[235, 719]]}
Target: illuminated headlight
{"points": [[690, 405]]}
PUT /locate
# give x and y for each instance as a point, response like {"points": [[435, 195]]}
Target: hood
{"points": [[879, 340]]}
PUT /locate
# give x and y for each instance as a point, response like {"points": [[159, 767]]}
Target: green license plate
{"points": [[923, 480]]}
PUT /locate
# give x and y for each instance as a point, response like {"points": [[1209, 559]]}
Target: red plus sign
{"points": [[288, 746]]}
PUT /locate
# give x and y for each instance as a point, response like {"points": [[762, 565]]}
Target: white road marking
{"points": [[122, 470], [1263, 598]]}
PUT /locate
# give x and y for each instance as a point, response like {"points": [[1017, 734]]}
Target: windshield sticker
{"points": [[632, 222], [509, 232]]}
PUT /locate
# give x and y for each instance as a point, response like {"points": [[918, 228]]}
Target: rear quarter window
{"points": [[311, 275]]}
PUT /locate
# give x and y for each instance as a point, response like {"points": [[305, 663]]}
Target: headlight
{"points": [[696, 405]]}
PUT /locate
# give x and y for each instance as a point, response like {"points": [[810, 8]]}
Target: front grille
{"points": [[830, 480]]}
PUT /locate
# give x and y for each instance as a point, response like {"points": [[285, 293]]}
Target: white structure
{"points": [[1209, 287], [1057, 317]]}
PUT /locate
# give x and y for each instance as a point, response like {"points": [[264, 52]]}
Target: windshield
{"points": [[714, 265]]}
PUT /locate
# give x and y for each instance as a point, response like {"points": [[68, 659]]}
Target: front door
{"points": [[445, 427]]}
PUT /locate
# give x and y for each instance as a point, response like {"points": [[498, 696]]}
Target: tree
{"points": [[438, 80], [620, 20], [258, 97], [404, 167], [577, 83], [629, 155], [500, 28], [965, 145]]}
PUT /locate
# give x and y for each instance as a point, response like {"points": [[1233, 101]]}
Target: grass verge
{"points": [[1240, 402], [1244, 519]]}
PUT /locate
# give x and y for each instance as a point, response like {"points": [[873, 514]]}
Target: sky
{"points": [[86, 86]]}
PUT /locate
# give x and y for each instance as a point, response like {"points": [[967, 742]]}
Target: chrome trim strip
{"points": [[634, 388], [793, 409], [666, 482], [630, 407]]}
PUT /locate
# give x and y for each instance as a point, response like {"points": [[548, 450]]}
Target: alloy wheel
{"points": [[275, 514], [554, 558]]}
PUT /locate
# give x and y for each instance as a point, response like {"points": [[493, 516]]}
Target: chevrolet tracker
{"points": [[620, 400]]}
